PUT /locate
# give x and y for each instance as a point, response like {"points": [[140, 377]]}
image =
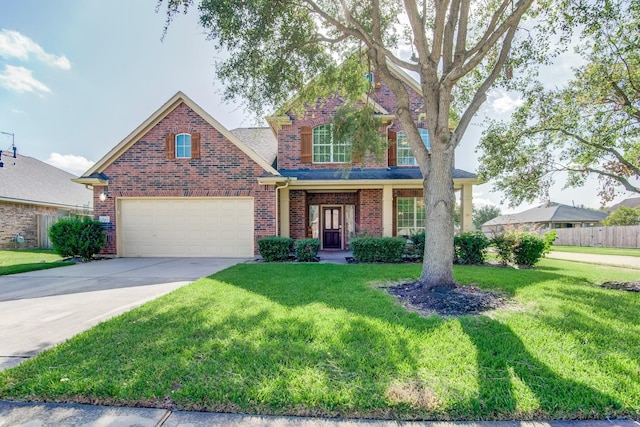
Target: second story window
{"points": [[405, 153], [183, 146], [325, 150]]}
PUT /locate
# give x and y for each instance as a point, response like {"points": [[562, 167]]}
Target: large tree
{"points": [[589, 127], [456, 48]]}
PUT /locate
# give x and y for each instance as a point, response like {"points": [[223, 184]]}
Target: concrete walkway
{"points": [[16, 414], [615, 260]]}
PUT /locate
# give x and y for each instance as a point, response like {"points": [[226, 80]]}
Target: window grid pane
{"points": [[410, 216], [325, 151], [183, 146]]}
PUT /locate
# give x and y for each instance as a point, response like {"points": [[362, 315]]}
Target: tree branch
{"points": [[449, 35], [622, 180]]}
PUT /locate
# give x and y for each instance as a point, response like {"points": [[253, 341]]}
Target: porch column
{"points": [[284, 212], [387, 211], [466, 207]]}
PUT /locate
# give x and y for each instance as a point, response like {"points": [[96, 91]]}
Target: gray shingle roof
{"points": [[629, 203], [31, 181], [260, 140], [363, 174], [553, 212]]}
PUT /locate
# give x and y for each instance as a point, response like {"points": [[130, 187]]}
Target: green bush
{"points": [[307, 249], [378, 249], [528, 249], [503, 244], [77, 237], [416, 249], [275, 248], [549, 238], [470, 247]]}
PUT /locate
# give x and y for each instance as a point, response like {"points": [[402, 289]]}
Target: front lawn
{"points": [[24, 260], [597, 250], [322, 339]]}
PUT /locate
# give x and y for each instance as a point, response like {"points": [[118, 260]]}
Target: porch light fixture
{"points": [[11, 148], [104, 196]]}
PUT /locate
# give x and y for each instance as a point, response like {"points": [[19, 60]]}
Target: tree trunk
{"points": [[439, 199]]}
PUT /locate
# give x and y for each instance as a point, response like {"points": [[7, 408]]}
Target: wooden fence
{"points": [[44, 222], [611, 237]]}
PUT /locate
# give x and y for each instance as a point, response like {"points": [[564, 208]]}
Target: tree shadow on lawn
{"points": [[514, 383]]}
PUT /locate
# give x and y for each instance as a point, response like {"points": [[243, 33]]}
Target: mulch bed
{"points": [[623, 286], [445, 300]]}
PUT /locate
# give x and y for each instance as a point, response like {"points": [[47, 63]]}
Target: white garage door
{"points": [[211, 227]]}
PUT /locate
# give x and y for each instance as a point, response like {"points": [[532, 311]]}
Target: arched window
{"points": [[405, 153], [183, 146]]}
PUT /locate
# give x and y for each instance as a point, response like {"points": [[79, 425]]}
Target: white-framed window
{"points": [[405, 153], [410, 215], [183, 146], [325, 150]]}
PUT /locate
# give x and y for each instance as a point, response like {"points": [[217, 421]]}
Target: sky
{"points": [[77, 76]]}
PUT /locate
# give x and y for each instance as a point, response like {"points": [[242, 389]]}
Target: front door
{"points": [[332, 228]]}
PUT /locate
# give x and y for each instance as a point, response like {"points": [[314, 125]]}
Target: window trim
{"points": [[418, 221], [332, 153], [190, 146], [400, 138]]}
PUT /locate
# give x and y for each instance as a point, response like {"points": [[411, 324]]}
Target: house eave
{"points": [[46, 204], [274, 180], [97, 182], [333, 184]]}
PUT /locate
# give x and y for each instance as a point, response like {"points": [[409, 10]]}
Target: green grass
{"points": [[597, 250], [320, 339], [24, 260]]}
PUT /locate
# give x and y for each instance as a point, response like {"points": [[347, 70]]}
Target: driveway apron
{"points": [[43, 308]]}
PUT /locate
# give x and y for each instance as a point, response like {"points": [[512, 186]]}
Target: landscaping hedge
{"points": [[378, 249], [307, 249], [275, 248]]}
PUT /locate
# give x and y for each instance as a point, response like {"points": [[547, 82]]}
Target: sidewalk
{"points": [[616, 260], [48, 414]]}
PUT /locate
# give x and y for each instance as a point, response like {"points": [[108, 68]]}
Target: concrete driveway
{"points": [[43, 308]]}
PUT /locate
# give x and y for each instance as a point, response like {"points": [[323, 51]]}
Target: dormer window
{"points": [[405, 153], [183, 146]]}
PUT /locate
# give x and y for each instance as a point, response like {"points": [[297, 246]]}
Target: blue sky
{"points": [[77, 76]]}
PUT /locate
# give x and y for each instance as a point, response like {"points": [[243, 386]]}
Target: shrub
{"points": [[549, 238], [307, 249], [470, 247], [77, 236], [378, 249], [503, 244], [417, 250], [275, 248], [528, 249]]}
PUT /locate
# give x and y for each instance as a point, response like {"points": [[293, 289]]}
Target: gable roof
{"points": [[629, 203], [28, 180], [89, 177], [552, 212]]}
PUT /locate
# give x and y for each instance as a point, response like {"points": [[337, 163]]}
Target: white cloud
{"points": [[505, 104], [70, 162], [20, 79], [15, 45]]}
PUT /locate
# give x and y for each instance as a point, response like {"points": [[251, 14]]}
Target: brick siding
{"points": [[23, 219], [222, 170]]}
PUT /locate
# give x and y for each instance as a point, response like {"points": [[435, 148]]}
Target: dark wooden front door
{"points": [[332, 228]]}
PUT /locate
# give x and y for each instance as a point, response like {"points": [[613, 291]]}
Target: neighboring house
{"points": [[546, 216], [183, 185], [632, 202], [30, 188]]}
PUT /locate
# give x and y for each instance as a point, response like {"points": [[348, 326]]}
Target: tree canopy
{"points": [[623, 216], [457, 49], [484, 214], [589, 127]]}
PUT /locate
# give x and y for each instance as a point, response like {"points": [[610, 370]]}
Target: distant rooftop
{"points": [[28, 180], [552, 212]]}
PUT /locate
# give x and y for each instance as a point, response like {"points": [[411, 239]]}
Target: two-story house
{"points": [[181, 184]]}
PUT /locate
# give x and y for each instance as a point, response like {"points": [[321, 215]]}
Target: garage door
{"points": [[211, 227]]}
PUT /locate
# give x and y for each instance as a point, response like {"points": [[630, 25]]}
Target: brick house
{"points": [[181, 184], [31, 189]]}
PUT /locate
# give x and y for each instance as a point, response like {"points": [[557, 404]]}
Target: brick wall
{"points": [[289, 135], [222, 170], [371, 212], [298, 220], [21, 218]]}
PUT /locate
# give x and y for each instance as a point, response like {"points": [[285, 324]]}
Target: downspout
{"points": [[278, 204]]}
